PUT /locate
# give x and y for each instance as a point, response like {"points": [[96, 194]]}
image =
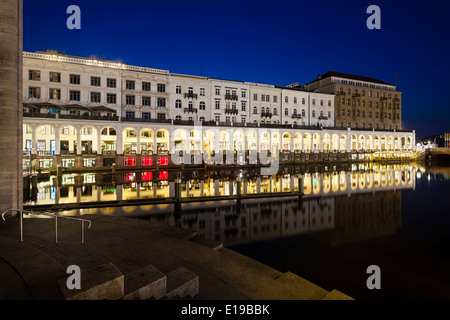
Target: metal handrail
{"points": [[50, 215]]}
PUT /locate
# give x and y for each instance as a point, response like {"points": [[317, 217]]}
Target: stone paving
{"points": [[33, 269]]}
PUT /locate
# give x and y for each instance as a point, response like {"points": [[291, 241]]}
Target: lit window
{"points": [[146, 176], [163, 175], [129, 177], [163, 161], [130, 161], [147, 161]]}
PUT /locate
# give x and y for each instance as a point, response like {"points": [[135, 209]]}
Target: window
{"points": [[130, 100], [255, 110], [286, 112], [217, 118], [217, 91], [177, 117], [263, 97], [275, 111], [329, 103], [275, 98], [95, 97], [329, 114], [201, 119], [255, 97], [303, 100], [130, 114], [314, 102], [163, 161], [146, 86], [342, 112], [295, 99], [74, 95], [321, 102], [217, 104], [161, 87], [146, 101], [54, 94], [161, 116], [243, 93], [55, 77], [88, 162], [313, 113], [178, 89], [129, 84], [243, 119], [202, 105], [161, 102], [75, 79], [243, 105], [286, 99], [146, 115], [202, 92], [178, 104], [146, 161], [129, 161], [34, 75], [111, 83], [111, 98], [303, 113], [95, 81]]}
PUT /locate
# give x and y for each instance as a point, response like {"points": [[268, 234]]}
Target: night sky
{"points": [[273, 42]]}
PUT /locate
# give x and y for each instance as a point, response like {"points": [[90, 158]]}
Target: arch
{"points": [[45, 139], [129, 136], [264, 140], [383, 143], [286, 142], [397, 145], [369, 143], [238, 141], [195, 141], [108, 139], [316, 142], [147, 140], [209, 141], [275, 139], [68, 139], [326, 144], [224, 140], [307, 142], [162, 141], [180, 140], [354, 143], [343, 142], [252, 140], [297, 141], [361, 142], [334, 142], [89, 142], [377, 143]]}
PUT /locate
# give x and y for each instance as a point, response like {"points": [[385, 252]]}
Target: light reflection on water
{"points": [[391, 216]]}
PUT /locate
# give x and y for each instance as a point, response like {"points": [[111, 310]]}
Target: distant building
{"points": [[361, 102]]}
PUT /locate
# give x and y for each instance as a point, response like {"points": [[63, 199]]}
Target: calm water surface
{"points": [[395, 217]]}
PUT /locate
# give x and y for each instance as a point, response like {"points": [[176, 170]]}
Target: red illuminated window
{"points": [[130, 177], [147, 161], [130, 161], [163, 175], [163, 161], [146, 176]]}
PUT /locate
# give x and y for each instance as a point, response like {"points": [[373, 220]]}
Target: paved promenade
{"points": [[34, 269]]}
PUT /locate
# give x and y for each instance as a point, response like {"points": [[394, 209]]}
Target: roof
{"points": [[350, 76]]}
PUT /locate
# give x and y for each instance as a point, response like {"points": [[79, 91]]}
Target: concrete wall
{"points": [[11, 104]]}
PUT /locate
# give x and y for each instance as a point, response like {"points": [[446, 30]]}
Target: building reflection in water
{"points": [[338, 207]]}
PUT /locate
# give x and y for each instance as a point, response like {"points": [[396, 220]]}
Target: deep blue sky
{"points": [[273, 42]]}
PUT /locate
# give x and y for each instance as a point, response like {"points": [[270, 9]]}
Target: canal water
{"points": [[396, 217]]}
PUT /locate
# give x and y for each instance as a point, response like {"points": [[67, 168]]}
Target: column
{"points": [[119, 135], [138, 142], [58, 140], [99, 140], [11, 127], [78, 140]]}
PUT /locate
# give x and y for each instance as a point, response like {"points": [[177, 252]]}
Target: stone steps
{"points": [[106, 282]]}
